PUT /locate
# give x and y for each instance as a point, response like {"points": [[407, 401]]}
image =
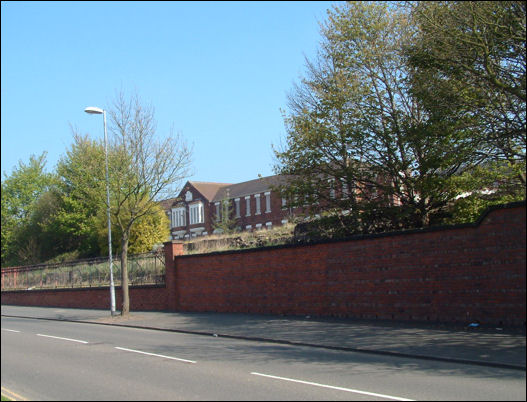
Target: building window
{"points": [[248, 228], [258, 226], [331, 188], [269, 225], [345, 189], [196, 213], [267, 202], [237, 205], [217, 204], [284, 203], [248, 206], [178, 217], [257, 197]]}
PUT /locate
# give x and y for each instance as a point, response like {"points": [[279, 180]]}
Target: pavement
{"points": [[486, 346]]}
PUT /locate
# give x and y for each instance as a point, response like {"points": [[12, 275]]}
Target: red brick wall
{"points": [[456, 274], [141, 298], [448, 275]]}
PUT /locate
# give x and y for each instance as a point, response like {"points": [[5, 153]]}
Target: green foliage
{"points": [[41, 227], [374, 114], [469, 68], [355, 122], [47, 217], [82, 184], [65, 257], [490, 184], [83, 216], [21, 191], [226, 223], [149, 230]]}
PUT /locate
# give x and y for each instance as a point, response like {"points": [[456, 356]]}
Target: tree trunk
{"points": [[124, 274]]}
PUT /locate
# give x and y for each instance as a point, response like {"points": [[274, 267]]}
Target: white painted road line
{"points": [[64, 339], [153, 354], [10, 330], [12, 395], [395, 398]]}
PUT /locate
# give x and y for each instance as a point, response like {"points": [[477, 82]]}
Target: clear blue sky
{"points": [[217, 72]]}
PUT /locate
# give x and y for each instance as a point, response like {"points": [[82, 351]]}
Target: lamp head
{"points": [[93, 110]]}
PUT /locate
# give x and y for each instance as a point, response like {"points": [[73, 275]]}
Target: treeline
{"points": [[62, 215], [415, 109], [54, 217]]}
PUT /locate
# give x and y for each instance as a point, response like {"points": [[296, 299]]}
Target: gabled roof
{"points": [[207, 189]]}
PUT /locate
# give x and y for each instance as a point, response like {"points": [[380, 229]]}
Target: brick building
{"points": [[256, 204]]}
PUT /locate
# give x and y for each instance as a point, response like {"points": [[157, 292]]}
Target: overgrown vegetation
{"points": [[241, 240]]}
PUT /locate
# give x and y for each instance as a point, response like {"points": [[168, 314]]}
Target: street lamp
{"points": [[96, 110]]}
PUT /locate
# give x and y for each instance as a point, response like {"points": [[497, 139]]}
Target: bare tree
{"points": [[143, 169]]}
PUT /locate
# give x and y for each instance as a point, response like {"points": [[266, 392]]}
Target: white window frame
{"points": [[173, 218], [248, 205], [258, 207], [196, 213], [179, 217], [267, 202], [237, 204]]}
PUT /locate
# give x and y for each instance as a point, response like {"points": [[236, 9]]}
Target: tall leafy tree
{"points": [[82, 185], [357, 138], [226, 222], [20, 191], [469, 59], [41, 229], [143, 167], [148, 231]]}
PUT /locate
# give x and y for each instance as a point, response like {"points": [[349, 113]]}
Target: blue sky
{"points": [[216, 72]]}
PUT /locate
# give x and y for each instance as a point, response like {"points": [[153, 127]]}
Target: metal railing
{"points": [[143, 269]]}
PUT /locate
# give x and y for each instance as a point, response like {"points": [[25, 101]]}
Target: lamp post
{"points": [[96, 110]]}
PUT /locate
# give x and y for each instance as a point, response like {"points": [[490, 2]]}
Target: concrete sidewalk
{"points": [[493, 347]]}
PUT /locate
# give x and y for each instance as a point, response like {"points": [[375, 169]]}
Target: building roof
{"points": [[215, 192], [167, 204], [207, 189], [255, 186]]}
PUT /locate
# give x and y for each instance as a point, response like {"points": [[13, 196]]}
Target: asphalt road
{"points": [[50, 360]]}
